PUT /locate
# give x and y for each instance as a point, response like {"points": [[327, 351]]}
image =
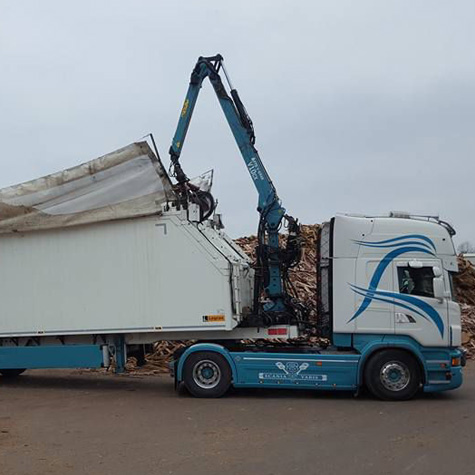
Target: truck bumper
{"points": [[449, 377]]}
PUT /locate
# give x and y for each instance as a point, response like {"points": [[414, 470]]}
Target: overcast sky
{"points": [[358, 106]]}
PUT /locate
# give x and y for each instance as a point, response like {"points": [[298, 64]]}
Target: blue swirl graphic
{"points": [[402, 245], [420, 237], [410, 299]]}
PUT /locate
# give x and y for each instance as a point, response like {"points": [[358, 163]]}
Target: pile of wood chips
{"points": [[464, 283], [468, 329], [304, 280], [157, 361]]}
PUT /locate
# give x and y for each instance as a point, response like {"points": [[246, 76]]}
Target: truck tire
{"points": [[11, 373], [207, 374], [393, 375]]}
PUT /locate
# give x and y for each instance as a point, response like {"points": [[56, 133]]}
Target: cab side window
{"points": [[416, 281]]}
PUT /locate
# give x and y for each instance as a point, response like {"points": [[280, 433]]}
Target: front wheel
{"points": [[393, 375], [207, 374], [11, 373]]}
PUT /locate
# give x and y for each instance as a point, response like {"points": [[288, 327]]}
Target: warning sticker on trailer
{"points": [[292, 370], [214, 318]]}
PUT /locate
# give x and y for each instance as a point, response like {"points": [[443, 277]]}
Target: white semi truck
{"points": [[102, 259]]}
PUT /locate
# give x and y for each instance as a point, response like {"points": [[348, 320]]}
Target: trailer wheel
{"points": [[11, 373], [207, 374], [393, 375]]}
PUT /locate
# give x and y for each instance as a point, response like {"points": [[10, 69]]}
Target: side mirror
{"points": [[439, 288], [437, 271]]}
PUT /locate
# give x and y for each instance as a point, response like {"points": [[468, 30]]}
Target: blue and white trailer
{"points": [[77, 297], [100, 260]]}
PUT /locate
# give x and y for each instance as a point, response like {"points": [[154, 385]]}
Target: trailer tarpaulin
{"points": [[127, 183]]}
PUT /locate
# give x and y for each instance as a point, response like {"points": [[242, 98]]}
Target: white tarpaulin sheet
{"points": [[127, 183]]}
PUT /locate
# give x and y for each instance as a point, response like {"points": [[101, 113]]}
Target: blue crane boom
{"points": [[272, 261]]}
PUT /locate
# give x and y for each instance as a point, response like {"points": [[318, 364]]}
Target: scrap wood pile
{"points": [[303, 278], [468, 329], [464, 283], [157, 361]]}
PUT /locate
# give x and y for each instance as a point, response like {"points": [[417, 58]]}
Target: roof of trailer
{"points": [[127, 183]]}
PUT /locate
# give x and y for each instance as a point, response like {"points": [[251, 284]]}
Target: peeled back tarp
{"points": [[127, 183]]}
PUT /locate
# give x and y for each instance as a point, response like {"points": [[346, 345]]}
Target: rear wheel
{"points": [[11, 373], [393, 375], [207, 374]]}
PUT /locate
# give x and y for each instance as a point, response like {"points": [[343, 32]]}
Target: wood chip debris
{"points": [[304, 279], [464, 284]]}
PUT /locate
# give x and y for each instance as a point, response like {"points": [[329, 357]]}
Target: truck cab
{"points": [[391, 276], [385, 305]]}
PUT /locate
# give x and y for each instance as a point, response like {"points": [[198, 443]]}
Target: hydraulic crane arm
{"points": [[241, 127], [272, 261]]}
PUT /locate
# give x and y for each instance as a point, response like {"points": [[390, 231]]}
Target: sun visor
{"points": [[127, 183]]}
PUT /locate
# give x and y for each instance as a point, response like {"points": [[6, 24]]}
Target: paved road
{"points": [[68, 422]]}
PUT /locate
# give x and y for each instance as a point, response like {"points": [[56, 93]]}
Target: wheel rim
{"points": [[395, 376], [206, 374]]}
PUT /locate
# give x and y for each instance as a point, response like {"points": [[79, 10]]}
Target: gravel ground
{"points": [[73, 422]]}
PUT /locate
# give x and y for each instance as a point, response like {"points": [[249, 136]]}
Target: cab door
{"points": [[374, 311], [420, 311]]}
